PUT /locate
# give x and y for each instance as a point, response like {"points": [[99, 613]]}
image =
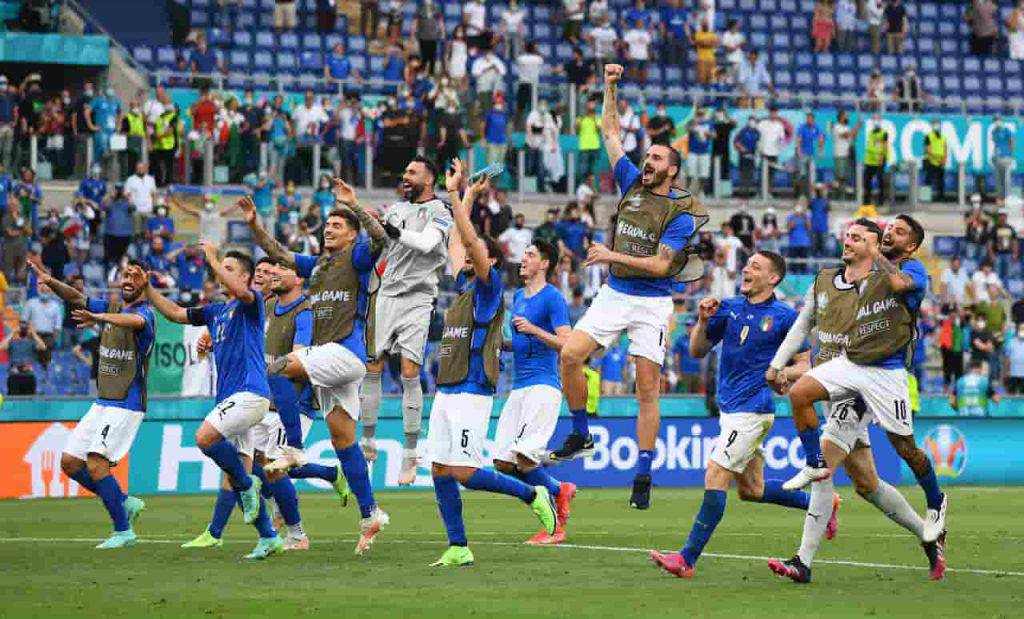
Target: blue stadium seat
{"points": [[951, 12], [781, 60], [1013, 85], [547, 51], [359, 62], [311, 61], [800, 23], [543, 31], [246, 20], [563, 52], [748, 6], [263, 60], [286, 61], [727, 5], [758, 40], [929, 64], [308, 82], [950, 65], [845, 60], [265, 40], [200, 18], [971, 64], [949, 48], [803, 60], [865, 61], [847, 80], [542, 12], [288, 40], [927, 28], [931, 83], [951, 84], [312, 41], [143, 55], [888, 63], [947, 29], [758, 22], [453, 10], [779, 22], [165, 55], [971, 85], [780, 40], [331, 40], [929, 11], [769, 6], [673, 75], [237, 81], [825, 62], [204, 4], [789, 7], [826, 79], [804, 79], [994, 85], [239, 60], [926, 47], [249, 5], [992, 65], [267, 4], [241, 38], [376, 64]]}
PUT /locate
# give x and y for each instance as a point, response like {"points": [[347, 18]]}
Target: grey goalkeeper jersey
{"points": [[408, 270]]}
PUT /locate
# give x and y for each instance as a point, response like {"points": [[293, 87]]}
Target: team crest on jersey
{"points": [[766, 323], [421, 213], [822, 301]]}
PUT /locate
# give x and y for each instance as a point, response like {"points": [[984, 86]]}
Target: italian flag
{"points": [[175, 367]]}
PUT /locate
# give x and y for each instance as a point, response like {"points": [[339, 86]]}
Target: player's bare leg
{"points": [[579, 443], [914, 456], [412, 419], [290, 367], [370, 401], [860, 466], [803, 395], [563, 493], [343, 437], [648, 394]]}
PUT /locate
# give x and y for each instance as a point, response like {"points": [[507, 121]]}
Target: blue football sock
{"points": [[263, 524], [540, 477], [811, 441], [315, 471], [710, 514], [226, 456], [773, 493], [353, 465], [580, 425], [113, 499], [85, 480], [643, 462], [449, 502], [930, 485], [492, 481], [286, 400], [226, 501], [283, 491]]}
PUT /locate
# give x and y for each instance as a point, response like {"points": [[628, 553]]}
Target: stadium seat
{"points": [[239, 60], [288, 41], [241, 38], [673, 75], [847, 81], [826, 80], [769, 7], [311, 61], [803, 60], [928, 11], [994, 85], [929, 64], [165, 55], [758, 40], [927, 29], [143, 54], [200, 19], [825, 62], [780, 40], [331, 40], [789, 7], [246, 20], [865, 62], [263, 60], [758, 23], [265, 40], [971, 86], [359, 62], [971, 64], [781, 60], [312, 41]]}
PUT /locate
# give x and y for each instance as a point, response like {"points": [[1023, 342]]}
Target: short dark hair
{"points": [[133, 262], [871, 225], [243, 259], [975, 364], [348, 216], [778, 263], [548, 252], [428, 163], [494, 251], [916, 229], [266, 260], [674, 158]]}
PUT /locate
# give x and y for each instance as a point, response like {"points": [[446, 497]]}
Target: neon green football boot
{"points": [[266, 548], [251, 500], [455, 556], [341, 488], [544, 507], [205, 540]]}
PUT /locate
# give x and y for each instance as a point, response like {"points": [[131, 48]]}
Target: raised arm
{"points": [[610, 128], [472, 242], [344, 194], [263, 238], [797, 334], [898, 280], [169, 309], [240, 291], [700, 345], [68, 294], [128, 321], [181, 206]]}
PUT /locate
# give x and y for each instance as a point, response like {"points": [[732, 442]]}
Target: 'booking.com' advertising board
{"points": [[165, 460]]}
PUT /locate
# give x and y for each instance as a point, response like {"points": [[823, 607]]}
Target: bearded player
{"points": [[654, 224]]}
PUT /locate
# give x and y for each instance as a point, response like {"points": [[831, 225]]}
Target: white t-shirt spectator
{"points": [[584, 195], [723, 283], [528, 66], [573, 10], [954, 285], [734, 40], [476, 18], [605, 39], [841, 139], [307, 119], [140, 192], [489, 71], [349, 121], [598, 9], [629, 125], [773, 137], [875, 12], [730, 246], [152, 110], [517, 240], [981, 283], [638, 41], [512, 21]]}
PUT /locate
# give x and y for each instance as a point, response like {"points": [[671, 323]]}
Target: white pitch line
{"points": [[630, 549]]}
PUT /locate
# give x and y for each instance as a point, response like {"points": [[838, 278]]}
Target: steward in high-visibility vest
{"points": [[136, 124], [164, 137], [935, 149], [877, 148]]}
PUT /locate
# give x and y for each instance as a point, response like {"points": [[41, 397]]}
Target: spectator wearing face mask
{"points": [[515, 240], [212, 222], [746, 145], [1002, 156], [141, 189], [118, 225], [497, 133], [982, 344], [22, 345], [768, 235], [45, 313], [909, 91], [133, 126], [161, 224]]}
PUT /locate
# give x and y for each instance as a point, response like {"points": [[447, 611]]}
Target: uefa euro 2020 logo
{"points": [[947, 448]]}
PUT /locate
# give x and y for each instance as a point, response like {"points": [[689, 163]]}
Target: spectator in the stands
{"points": [[497, 133], [746, 145], [512, 28], [573, 14], [613, 369], [189, 267], [661, 128], [516, 239], [46, 313], [936, 157], [489, 71], [955, 280], [733, 42], [585, 195], [701, 132], [394, 63], [909, 90], [875, 10], [724, 126], [982, 343], [983, 17], [768, 234], [753, 81], [474, 19], [369, 18], [579, 72], [1015, 31], [1004, 248], [874, 91], [672, 28], [843, 153], [589, 140], [823, 26], [637, 40], [529, 65], [203, 63], [457, 57], [876, 155], [118, 225], [308, 117], [547, 231], [160, 224], [775, 136], [986, 286], [8, 116], [54, 252], [29, 194], [630, 129], [809, 140], [337, 66], [572, 232], [722, 280], [604, 41], [141, 190], [976, 230], [17, 230], [896, 26], [819, 208], [798, 225], [706, 42], [688, 370], [284, 15], [1014, 350], [1002, 156], [732, 248], [22, 345], [846, 25]]}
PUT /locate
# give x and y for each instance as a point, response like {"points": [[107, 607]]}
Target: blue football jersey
{"points": [[535, 363], [236, 329]]}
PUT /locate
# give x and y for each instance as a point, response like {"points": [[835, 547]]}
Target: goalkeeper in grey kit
{"points": [[399, 317]]}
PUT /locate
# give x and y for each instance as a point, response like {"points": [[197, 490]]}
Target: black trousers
{"points": [[873, 172]]}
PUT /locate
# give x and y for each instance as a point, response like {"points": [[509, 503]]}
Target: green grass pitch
{"points": [[50, 569]]}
